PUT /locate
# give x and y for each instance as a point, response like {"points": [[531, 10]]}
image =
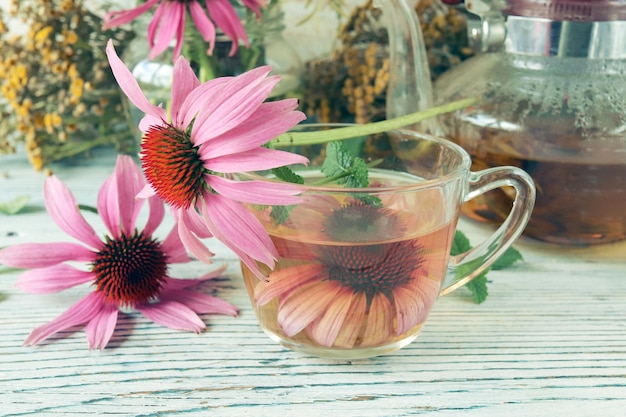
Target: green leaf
{"points": [[507, 259], [14, 206], [288, 175], [340, 167], [460, 244], [280, 214], [478, 288]]}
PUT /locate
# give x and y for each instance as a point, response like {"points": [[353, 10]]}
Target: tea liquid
{"points": [[581, 189]]}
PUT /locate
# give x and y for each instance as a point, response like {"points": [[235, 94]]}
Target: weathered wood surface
{"points": [[549, 341]]}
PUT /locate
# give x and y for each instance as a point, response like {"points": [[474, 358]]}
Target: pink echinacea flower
{"points": [[216, 129], [129, 268], [170, 16]]}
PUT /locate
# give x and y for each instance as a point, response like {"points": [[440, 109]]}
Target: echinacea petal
{"points": [[282, 282], [191, 241], [157, 213], [379, 322], [128, 183], [256, 192], [100, 328], [80, 313], [120, 17], [173, 248], [351, 329], [307, 304], [268, 121], [225, 16], [172, 314], [203, 24], [200, 303], [184, 82], [325, 329], [108, 208], [39, 255], [180, 283], [413, 302], [129, 85], [63, 209], [255, 6], [254, 160], [170, 15], [237, 228], [52, 279]]}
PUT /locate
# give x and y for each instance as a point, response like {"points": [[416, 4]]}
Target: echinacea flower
{"points": [[129, 268], [363, 281], [216, 129], [169, 19]]}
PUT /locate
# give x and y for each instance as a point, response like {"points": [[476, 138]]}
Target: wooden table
{"points": [[549, 341]]}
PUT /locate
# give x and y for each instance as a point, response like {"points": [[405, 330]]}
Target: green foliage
{"points": [[14, 206], [478, 286]]}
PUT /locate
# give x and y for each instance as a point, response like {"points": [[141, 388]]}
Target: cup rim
{"points": [[464, 166]]}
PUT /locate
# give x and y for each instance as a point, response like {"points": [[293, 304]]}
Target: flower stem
{"points": [[341, 133]]}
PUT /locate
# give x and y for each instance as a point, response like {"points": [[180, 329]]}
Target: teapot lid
{"points": [[569, 10]]}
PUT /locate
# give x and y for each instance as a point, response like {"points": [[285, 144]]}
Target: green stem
{"points": [[341, 133]]}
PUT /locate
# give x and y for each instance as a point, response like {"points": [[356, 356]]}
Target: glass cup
{"points": [[359, 269]]}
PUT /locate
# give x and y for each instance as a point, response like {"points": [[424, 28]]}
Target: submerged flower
{"points": [[169, 22], [129, 269], [362, 285], [217, 128]]}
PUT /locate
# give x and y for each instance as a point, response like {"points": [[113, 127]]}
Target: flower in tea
{"points": [[358, 287], [169, 22], [129, 269], [217, 128]]}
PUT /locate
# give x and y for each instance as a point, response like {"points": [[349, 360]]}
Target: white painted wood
{"points": [[549, 341]]}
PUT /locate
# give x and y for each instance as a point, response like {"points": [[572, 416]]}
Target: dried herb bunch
{"points": [[59, 97], [351, 85]]}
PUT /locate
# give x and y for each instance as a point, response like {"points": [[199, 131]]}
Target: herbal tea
{"points": [[352, 274]]}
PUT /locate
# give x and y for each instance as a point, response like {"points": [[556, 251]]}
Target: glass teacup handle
{"points": [[476, 260]]}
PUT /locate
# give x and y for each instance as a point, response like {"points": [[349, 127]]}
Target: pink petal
{"points": [[183, 84], [198, 99], [237, 228], [146, 192], [236, 101], [413, 303], [284, 281], [307, 304], [254, 160], [200, 303], [179, 284], [157, 213], [268, 121], [120, 17], [63, 209], [255, 6], [38, 255], [100, 328], [191, 242], [379, 327], [173, 248], [325, 329], [52, 279], [173, 315], [129, 85], [351, 328], [128, 183], [170, 15], [225, 17], [256, 192], [108, 208], [203, 24], [80, 313]]}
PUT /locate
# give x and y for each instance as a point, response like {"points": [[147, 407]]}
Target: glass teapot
{"points": [[551, 80]]}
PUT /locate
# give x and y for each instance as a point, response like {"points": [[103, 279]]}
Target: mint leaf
{"points": [[508, 258], [460, 244], [340, 167], [478, 288], [14, 206], [288, 175]]}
